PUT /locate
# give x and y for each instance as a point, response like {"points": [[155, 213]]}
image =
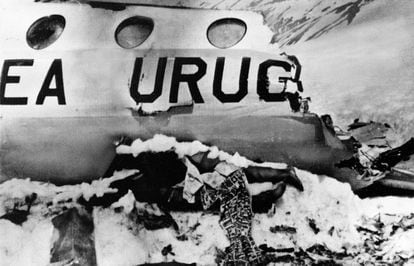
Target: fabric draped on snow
{"points": [[235, 218]]}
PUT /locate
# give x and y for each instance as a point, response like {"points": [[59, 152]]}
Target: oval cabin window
{"points": [[133, 31], [45, 31], [227, 32]]}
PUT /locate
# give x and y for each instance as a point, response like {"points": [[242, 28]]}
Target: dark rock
{"points": [[283, 228], [16, 216], [313, 226], [331, 230], [167, 250]]}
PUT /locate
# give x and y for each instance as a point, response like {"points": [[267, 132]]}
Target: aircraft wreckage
{"points": [[76, 78]]}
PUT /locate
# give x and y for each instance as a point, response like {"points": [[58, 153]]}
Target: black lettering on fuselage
{"points": [[191, 79], [243, 81], [178, 77], [55, 71], [262, 86], [159, 81], [5, 78]]}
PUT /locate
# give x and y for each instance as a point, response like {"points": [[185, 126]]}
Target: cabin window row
{"points": [[134, 31]]}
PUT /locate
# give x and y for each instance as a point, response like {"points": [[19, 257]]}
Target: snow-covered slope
{"points": [[365, 69]]}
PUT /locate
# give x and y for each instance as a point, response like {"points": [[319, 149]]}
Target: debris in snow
{"points": [[371, 133], [283, 228], [75, 244], [331, 230], [17, 216], [191, 229], [153, 221], [388, 238], [120, 240], [167, 250], [313, 226], [375, 141], [390, 158], [267, 249], [374, 159], [161, 182], [16, 190]]}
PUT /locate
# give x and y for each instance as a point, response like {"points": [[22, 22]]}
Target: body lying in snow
{"points": [[160, 175]]}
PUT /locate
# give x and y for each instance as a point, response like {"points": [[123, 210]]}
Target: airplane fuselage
{"points": [[68, 93]]}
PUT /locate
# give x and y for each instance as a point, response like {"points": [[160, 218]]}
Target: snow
{"points": [[160, 143], [139, 245], [328, 202], [119, 240], [389, 204], [19, 188], [29, 244], [401, 244]]}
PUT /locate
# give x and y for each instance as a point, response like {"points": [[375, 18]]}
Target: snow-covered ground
{"points": [[343, 223]]}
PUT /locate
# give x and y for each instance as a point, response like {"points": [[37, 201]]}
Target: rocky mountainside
{"points": [[304, 20], [291, 20]]}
